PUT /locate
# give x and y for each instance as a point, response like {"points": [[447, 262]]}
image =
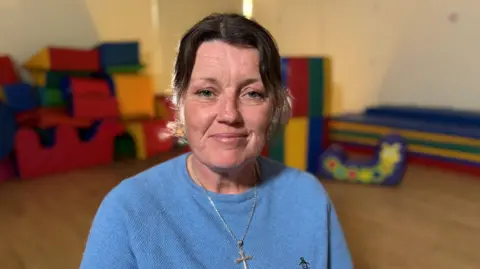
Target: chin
{"points": [[228, 159]]}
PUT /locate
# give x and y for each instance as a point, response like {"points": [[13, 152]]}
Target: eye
{"points": [[255, 95], [207, 93]]}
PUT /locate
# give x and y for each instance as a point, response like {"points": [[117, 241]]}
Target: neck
{"points": [[228, 182]]}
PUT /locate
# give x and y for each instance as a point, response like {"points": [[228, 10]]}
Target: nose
{"points": [[228, 110]]}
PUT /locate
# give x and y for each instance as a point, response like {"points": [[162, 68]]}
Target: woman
{"points": [[222, 205]]}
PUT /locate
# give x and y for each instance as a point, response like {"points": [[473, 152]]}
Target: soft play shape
{"points": [[20, 97], [7, 168], [444, 138], [151, 137], [135, 95], [8, 75], [50, 117], [119, 54], [8, 128], [64, 59], [163, 108], [69, 151], [309, 81], [53, 79], [51, 97], [90, 98], [386, 168]]}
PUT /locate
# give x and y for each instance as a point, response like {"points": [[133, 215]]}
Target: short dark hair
{"points": [[236, 30], [233, 29]]}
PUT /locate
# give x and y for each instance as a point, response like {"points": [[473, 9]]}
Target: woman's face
{"points": [[227, 111]]}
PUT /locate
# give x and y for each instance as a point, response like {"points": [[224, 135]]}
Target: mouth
{"points": [[228, 137]]}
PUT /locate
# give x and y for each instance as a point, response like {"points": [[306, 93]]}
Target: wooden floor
{"points": [[431, 221]]}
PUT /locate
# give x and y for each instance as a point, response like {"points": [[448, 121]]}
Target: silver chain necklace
{"points": [[243, 258]]}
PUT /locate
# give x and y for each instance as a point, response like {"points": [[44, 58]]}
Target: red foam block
{"points": [[298, 84], [66, 59], [89, 87], [8, 75], [68, 152], [95, 108], [7, 169], [50, 117], [157, 137]]}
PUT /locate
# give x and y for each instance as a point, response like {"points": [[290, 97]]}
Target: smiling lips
{"points": [[229, 137]]}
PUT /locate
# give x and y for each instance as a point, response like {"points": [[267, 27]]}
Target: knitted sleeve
{"points": [[108, 244]]}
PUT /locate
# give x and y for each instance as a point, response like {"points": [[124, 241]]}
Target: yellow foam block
{"points": [[39, 78], [295, 143], [136, 131], [135, 95], [41, 60]]}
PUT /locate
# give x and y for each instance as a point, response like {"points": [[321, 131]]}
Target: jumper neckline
{"points": [[227, 198]]}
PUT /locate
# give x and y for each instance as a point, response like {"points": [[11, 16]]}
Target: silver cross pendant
{"points": [[242, 258]]}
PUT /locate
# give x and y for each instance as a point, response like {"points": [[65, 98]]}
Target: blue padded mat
{"points": [[422, 125], [8, 128], [437, 115]]}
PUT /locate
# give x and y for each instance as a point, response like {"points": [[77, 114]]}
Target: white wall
{"points": [[385, 51], [26, 26]]}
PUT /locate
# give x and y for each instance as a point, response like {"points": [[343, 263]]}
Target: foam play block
{"points": [[51, 97], [50, 117], [8, 128], [118, 54], [387, 167], [8, 74], [135, 95], [20, 97], [408, 124], [90, 98], [124, 69], [316, 142], [53, 79], [69, 151], [276, 145], [151, 137], [296, 143], [7, 168], [157, 137], [2, 96], [418, 149], [64, 59], [85, 87], [320, 87], [297, 81], [125, 147], [135, 129], [163, 108]]}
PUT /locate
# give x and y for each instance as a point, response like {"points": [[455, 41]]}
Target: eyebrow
{"points": [[244, 83]]}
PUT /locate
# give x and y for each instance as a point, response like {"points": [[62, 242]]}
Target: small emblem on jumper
{"points": [[303, 263]]}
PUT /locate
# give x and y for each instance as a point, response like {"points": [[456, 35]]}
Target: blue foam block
{"points": [[21, 97], [410, 124], [8, 128], [315, 143], [119, 54], [437, 115]]}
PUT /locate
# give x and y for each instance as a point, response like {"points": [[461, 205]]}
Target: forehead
{"points": [[217, 57]]}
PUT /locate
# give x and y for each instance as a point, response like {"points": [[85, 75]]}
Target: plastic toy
{"points": [[386, 168]]}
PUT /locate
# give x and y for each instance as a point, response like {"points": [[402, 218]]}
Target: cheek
{"points": [[197, 120], [258, 121]]}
